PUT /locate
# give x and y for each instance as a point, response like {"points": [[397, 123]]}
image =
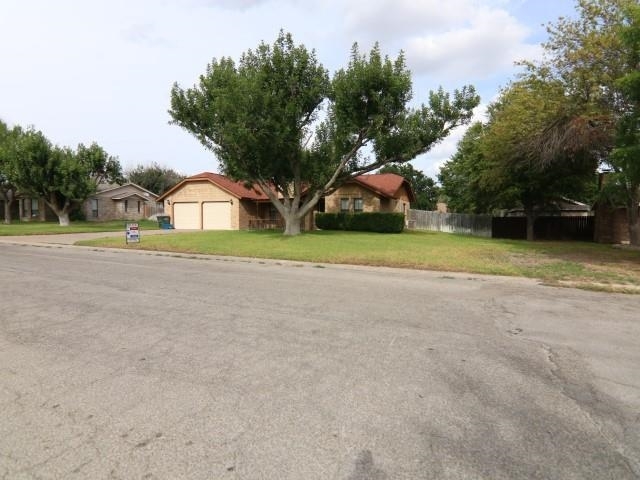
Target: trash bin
{"points": [[164, 222]]}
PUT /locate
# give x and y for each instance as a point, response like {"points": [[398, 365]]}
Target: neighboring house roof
{"points": [[104, 188], [237, 189], [124, 196], [386, 185], [562, 204]]}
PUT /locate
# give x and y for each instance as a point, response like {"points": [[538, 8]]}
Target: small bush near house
{"points": [[361, 222], [77, 215]]}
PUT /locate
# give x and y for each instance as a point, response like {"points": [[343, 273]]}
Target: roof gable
{"points": [[237, 189], [387, 185], [124, 190]]}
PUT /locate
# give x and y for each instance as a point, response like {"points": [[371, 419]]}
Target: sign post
{"points": [[132, 233]]}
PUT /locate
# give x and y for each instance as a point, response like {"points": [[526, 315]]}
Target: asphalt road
{"points": [[127, 365]]}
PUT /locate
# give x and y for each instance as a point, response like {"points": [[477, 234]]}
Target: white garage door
{"points": [[216, 216], [186, 215]]}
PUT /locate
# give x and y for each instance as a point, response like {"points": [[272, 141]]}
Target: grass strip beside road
{"points": [[53, 228], [577, 264]]}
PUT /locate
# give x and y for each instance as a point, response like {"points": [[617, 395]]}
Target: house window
{"points": [[344, 204], [357, 205], [126, 206], [35, 208], [94, 207], [138, 206]]}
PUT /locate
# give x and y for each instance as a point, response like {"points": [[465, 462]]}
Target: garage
{"points": [[186, 216], [216, 216]]}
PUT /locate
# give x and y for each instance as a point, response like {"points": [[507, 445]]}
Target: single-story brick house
{"points": [[210, 201], [126, 202], [381, 192], [110, 202], [25, 209]]}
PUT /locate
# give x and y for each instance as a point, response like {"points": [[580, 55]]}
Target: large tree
{"points": [[423, 186], [277, 120], [462, 176], [594, 60], [62, 177], [499, 165], [154, 177], [519, 118], [625, 158], [7, 187]]}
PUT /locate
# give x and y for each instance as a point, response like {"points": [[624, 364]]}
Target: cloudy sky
{"points": [[102, 70]]}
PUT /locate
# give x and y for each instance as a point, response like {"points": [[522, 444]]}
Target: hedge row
{"points": [[363, 222]]}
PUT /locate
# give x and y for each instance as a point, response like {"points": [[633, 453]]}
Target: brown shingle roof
{"points": [[237, 189], [385, 184]]}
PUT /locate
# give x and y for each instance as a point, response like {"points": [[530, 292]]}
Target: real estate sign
{"points": [[132, 233]]}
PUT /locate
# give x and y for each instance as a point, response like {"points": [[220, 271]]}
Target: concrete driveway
{"points": [[128, 365]]}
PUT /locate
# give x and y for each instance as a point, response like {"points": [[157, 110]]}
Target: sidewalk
{"points": [[71, 238]]}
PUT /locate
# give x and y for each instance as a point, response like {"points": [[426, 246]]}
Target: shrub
{"points": [[77, 215], [362, 222]]}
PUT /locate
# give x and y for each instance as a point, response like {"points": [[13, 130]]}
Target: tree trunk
{"points": [[7, 212], [633, 215], [531, 218], [63, 218], [8, 196], [62, 213], [291, 225]]}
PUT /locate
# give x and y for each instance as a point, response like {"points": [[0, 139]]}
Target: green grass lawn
{"points": [[52, 228], [580, 264]]}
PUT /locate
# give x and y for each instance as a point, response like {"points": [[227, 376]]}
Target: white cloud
{"points": [[492, 42], [385, 19], [102, 70], [446, 40], [229, 4], [144, 34]]}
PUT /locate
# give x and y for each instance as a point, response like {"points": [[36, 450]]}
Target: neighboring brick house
{"points": [[611, 224], [110, 202], [382, 192], [126, 202], [210, 201], [611, 221], [27, 209]]}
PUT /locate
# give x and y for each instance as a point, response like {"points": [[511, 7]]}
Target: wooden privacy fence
{"points": [[477, 225], [544, 228]]}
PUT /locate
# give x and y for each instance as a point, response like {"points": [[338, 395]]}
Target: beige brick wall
{"points": [[247, 211], [201, 192], [371, 202]]}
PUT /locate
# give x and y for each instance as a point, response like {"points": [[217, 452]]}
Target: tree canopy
{"points": [[154, 177], [594, 57], [423, 186], [64, 178], [462, 176], [276, 119], [625, 158], [559, 121], [7, 187]]}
